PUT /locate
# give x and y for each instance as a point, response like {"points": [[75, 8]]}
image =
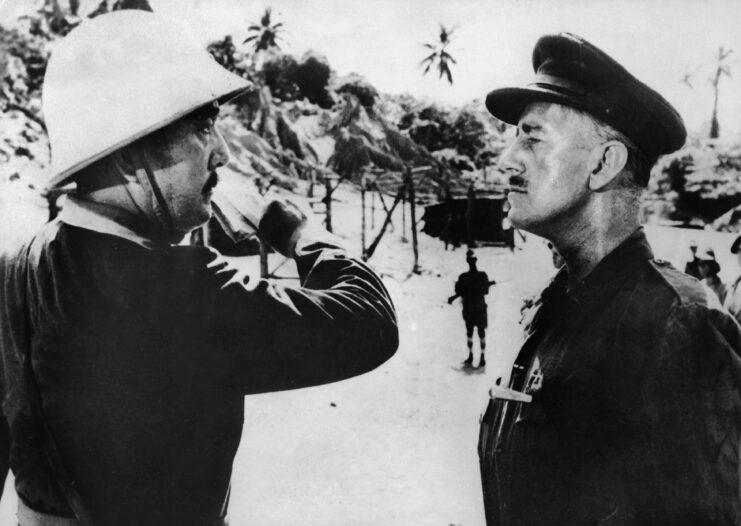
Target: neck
{"points": [[597, 234]]}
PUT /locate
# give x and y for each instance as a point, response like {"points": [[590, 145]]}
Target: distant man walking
{"points": [[471, 287]]}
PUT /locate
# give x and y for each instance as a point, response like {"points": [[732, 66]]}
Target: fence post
{"points": [[263, 260], [328, 202], [362, 215], [413, 219]]}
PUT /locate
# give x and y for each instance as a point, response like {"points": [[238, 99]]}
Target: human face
{"points": [[187, 176], [548, 166]]}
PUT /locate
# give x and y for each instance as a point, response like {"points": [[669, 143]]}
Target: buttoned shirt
{"points": [[635, 416], [143, 354]]}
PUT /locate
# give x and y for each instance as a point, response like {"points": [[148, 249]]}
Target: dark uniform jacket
{"points": [[636, 409], [143, 357]]}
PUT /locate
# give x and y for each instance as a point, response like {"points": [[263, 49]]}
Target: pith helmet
{"points": [[119, 77]]}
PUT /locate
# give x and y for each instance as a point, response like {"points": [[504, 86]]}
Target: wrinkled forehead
{"points": [[557, 120], [551, 114]]}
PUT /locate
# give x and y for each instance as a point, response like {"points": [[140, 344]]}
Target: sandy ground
{"points": [[397, 446]]}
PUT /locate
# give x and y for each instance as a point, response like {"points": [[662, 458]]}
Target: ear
{"points": [[608, 161]]}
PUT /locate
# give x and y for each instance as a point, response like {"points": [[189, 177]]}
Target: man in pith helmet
{"points": [[127, 358], [623, 405]]}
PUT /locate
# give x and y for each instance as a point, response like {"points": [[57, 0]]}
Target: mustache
{"points": [[211, 183], [517, 181]]}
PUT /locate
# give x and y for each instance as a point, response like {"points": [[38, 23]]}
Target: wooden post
{"points": [[383, 203], [362, 215], [263, 260], [312, 181], [470, 198], [399, 195], [403, 214], [373, 210], [328, 202], [413, 219]]}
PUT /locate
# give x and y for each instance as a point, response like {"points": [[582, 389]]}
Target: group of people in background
{"points": [[704, 266]]}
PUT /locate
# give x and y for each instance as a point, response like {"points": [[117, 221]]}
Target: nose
{"points": [[508, 161], [220, 155]]}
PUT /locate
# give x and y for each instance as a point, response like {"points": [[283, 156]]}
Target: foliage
{"points": [[440, 55], [279, 75], [291, 80], [361, 89], [312, 78], [702, 180], [264, 35], [225, 53]]}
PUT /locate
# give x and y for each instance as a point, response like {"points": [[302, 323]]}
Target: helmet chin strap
{"points": [[137, 162]]}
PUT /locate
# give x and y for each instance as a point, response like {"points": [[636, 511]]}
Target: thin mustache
{"points": [[211, 183], [517, 182]]}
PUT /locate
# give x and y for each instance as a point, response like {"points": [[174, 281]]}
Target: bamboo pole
{"points": [[374, 245], [264, 273], [362, 215], [328, 202], [413, 220]]}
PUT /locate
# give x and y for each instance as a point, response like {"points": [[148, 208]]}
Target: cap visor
{"points": [[508, 104]]}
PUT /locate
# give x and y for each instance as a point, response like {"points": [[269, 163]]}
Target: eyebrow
{"points": [[529, 127], [209, 111]]}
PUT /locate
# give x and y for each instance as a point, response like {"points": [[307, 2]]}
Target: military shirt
{"points": [[635, 416], [143, 356]]}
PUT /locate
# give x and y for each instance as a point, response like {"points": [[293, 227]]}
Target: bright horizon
{"points": [[659, 41]]}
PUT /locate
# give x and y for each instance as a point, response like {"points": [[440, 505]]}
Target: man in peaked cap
{"points": [[126, 358], [623, 404]]}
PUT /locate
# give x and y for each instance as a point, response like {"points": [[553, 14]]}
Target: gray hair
{"points": [[638, 165]]}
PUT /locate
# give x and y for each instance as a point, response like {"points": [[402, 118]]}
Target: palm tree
{"points": [[265, 34], [440, 55]]}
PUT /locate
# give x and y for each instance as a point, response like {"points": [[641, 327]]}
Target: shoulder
{"points": [[33, 248], [679, 288]]}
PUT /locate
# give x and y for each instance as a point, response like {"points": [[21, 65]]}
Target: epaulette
{"points": [[684, 287]]}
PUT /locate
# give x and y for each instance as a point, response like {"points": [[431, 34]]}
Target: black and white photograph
{"points": [[370, 263]]}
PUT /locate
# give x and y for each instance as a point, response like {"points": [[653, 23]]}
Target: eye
{"points": [[205, 126]]}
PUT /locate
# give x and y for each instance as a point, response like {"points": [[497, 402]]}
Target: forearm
{"points": [[338, 324]]}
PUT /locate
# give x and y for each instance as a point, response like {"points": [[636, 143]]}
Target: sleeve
{"points": [[485, 283], [692, 402], [340, 323]]}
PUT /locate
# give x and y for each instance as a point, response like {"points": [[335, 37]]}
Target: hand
{"points": [[281, 225], [451, 300]]}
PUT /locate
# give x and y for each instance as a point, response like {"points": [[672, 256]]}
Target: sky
{"points": [[659, 41]]}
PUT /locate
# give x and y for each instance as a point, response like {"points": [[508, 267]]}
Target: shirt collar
{"points": [[611, 270], [105, 219]]}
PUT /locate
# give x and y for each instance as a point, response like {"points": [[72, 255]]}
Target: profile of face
{"points": [[186, 173], [548, 166]]}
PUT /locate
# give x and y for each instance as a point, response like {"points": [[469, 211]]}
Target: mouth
{"points": [[213, 180], [517, 184]]}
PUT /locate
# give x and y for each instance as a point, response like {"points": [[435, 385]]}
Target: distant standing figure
{"points": [[709, 269], [693, 265], [733, 292], [507, 229], [471, 287]]}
